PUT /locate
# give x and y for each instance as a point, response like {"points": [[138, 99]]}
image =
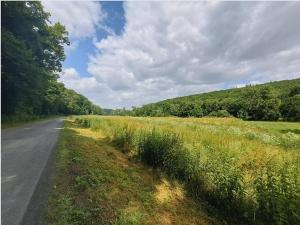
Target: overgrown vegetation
{"points": [[32, 51], [96, 184], [270, 101], [246, 171]]}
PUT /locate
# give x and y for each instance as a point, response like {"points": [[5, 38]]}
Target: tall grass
{"points": [[253, 177]]}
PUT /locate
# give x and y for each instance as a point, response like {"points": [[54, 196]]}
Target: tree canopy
{"points": [[32, 55], [270, 101]]}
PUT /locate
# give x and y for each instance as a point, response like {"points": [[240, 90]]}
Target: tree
{"points": [[294, 91], [259, 103], [32, 52], [185, 109], [197, 110], [290, 108]]}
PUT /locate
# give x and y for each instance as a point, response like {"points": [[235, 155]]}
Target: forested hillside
{"points": [[32, 52], [270, 101]]}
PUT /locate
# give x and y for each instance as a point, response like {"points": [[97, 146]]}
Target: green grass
{"points": [[95, 183], [248, 170], [278, 127]]}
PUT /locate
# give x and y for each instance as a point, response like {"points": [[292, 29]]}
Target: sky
{"points": [[125, 54]]}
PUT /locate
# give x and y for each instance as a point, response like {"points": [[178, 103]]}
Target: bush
{"points": [[220, 113], [277, 198], [160, 150], [290, 108], [123, 138], [83, 122]]}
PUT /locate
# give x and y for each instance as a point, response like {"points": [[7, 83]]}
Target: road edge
{"points": [[38, 202]]}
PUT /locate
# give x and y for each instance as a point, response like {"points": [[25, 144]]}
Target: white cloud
{"points": [[88, 86], [81, 18], [69, 74], [172, 49]]}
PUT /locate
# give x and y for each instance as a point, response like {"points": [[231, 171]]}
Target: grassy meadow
{"points": [[244, 170], [95, 183]]}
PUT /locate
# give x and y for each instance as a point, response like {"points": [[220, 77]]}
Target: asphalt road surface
{"points": [[25, 155]]}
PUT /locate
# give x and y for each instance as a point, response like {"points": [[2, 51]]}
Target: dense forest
{"points": [[270, 101], [32, 52]]}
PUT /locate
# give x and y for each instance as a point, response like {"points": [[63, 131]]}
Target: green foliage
{"points": [[260, 103], [160, 150], [220, 113], [120, 112], [294, 91], [290, 108], [184, 109], [270, 101], [276, 194], [32, 51], [123, 138]]}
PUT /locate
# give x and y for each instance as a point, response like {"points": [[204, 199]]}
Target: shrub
{"points": [[159, 149], [276, 194], [83, 122], [123, 138], [220, 113], [290, 108]]}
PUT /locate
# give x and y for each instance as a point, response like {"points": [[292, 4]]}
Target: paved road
{"points": [[25, 152]]}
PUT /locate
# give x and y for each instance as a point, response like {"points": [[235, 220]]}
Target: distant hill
{"points": [[267, 101], [280, 87]]}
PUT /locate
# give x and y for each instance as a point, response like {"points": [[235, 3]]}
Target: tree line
{"points": [[270, 101], [31, 56]]}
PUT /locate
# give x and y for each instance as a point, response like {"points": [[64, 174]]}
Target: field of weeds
{"points": [[248, 170], [95, 183]]}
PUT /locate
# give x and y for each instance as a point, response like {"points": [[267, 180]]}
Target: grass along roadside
{"points": [[245, 171], [94, 183]]}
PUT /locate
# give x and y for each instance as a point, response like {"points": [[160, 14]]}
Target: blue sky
{"points": [[78, 58], [134, 53]]}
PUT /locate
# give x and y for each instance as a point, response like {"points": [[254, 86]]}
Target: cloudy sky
{"points": [[133, 53]]}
